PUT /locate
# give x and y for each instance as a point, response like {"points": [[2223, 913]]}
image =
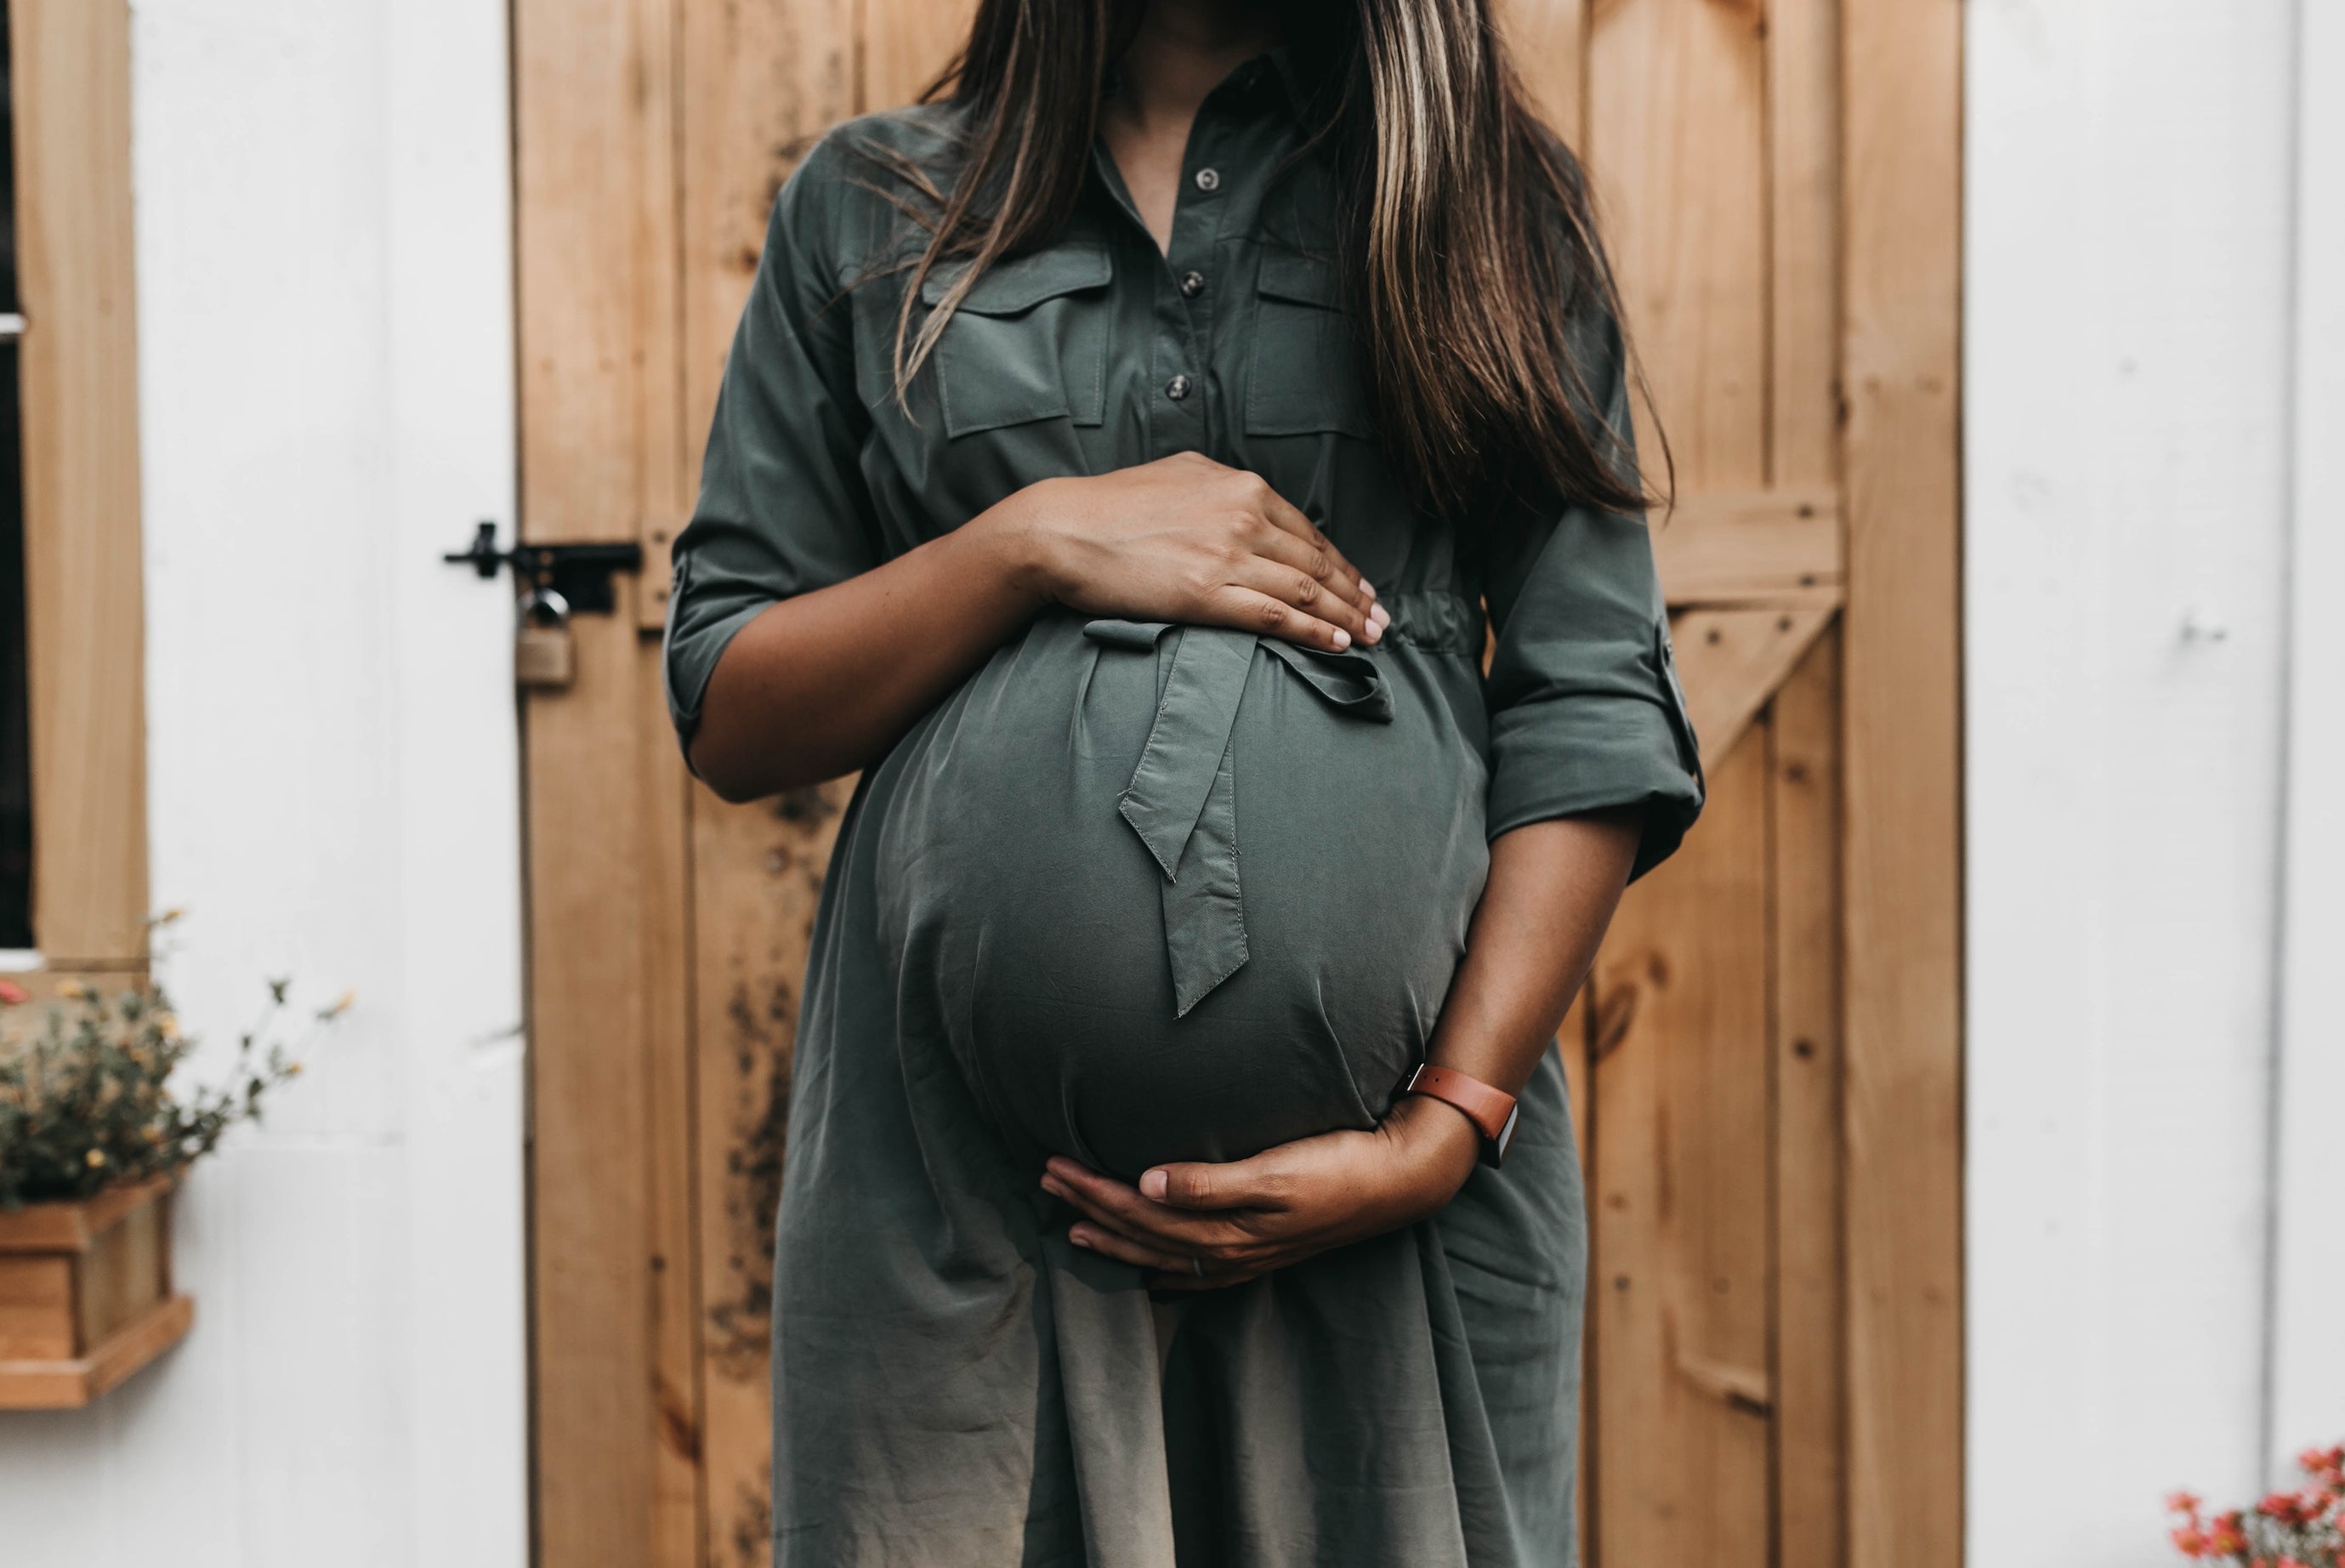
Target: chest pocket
{"points": [[1306, 374], [1029, 343]]}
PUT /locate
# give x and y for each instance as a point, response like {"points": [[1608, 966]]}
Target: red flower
{"points": [[2182, 1502], [2190, 1541], [12, 994]]}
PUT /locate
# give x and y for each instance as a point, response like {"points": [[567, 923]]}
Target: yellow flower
{"points": [[292, 1069], [95, 1158], [168, 1023], [342, 1003], [74, 991]]}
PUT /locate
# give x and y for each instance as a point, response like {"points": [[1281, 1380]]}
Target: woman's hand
{"points": [[1187, 539], [1203, 1227]]}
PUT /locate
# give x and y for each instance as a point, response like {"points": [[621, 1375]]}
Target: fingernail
{"points": [[1154, 1184], [1367, 588], [1374, 635], [1080, 1239], [1343, 639], [1380, 615]]}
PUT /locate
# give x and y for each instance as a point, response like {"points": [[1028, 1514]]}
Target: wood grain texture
{"points": [[1902, 154], [1677, 142], [758, 85], [1810, 1369], [1760, 546], [1731, 661], [70, 77], [1549, 41], [86, 1295], [1680, 1301], [761, 83], [759, 871], [74, 1227], [615, 1389], [66, 1384], [905, 44], [36, 1308], [1803, 107]]}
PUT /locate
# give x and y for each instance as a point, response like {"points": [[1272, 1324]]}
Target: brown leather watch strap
{"points": [[1491, 1110]]}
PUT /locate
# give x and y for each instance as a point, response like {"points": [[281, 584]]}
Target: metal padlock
{"points": [[544, 658]]}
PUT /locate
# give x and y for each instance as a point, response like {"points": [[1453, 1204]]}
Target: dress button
{"points": [[1209, 179], [1192, 285], [1177, 388]]}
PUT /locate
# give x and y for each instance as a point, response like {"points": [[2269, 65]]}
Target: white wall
{"points": [[2309, 1343], [323, 220], [2142, 461]]}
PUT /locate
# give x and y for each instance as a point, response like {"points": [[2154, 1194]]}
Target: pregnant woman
{"points": [[1125, 460]]}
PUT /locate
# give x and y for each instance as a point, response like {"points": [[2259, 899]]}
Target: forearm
{"points": [[823, 683], [1552, 889]]}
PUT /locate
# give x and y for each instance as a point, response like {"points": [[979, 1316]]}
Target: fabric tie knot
{"points": [[1183, 796]]}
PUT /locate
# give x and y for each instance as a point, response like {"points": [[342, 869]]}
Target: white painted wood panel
{"points": [[2129, 250], [2309, 1310], [324, 223]]}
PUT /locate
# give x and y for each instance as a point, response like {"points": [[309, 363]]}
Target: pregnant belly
{"points": [[1181, 894]]}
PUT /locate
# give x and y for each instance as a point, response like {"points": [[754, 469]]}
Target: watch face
{"points": [[1504, 1140]]}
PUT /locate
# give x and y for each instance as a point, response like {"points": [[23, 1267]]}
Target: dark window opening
{"points": [[15, 746]]}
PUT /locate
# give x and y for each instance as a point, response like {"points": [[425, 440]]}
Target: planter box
{"points": [[86, 1295]]}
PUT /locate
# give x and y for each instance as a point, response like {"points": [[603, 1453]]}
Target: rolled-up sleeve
{"points": [[783, 506], [1585, 711]]}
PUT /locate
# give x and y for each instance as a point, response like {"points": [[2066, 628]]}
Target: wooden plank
{"points": [[615, 1389], [761, 83], [65, 1384], [74, 1227], [1676, 110], [1902, 161], [1769, 546], [1731, 661], [84, 618], [1549, 41], [1803, 243], [680, 1490], [126, 1272], [904, 42], [1810, 1387], [1677, 136], [36, 1308], [653, 119], [1681, 1198], [759, 870]]}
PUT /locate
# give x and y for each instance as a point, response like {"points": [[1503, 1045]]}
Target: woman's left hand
{"points": [[1203, 1227]]}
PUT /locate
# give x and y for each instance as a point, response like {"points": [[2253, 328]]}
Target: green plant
{"points": [[85, 1099]]}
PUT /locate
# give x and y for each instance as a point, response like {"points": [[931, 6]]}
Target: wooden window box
{"points": [[86, 1295]]}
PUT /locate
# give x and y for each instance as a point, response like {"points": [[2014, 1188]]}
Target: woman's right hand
{"points": [[1189, 540]]}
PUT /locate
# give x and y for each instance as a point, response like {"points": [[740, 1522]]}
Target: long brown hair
{"points": [[1469, 245]]}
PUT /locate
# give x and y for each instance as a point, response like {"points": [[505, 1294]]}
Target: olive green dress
{"points": [[1139, 892]]}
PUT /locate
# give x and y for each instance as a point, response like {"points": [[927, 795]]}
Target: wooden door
{"points": [[1766, 1063]]}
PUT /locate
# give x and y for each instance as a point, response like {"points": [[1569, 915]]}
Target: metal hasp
{"points": [[579, 574]]}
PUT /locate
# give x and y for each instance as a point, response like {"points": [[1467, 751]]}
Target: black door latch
{"points": [[578, 576]]}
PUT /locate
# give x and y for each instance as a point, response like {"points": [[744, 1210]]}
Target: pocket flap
{"points": [[1022, 282], [1304, 279]]}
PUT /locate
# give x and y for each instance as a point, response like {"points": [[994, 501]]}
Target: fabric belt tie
{"points": [[1182, 798]]}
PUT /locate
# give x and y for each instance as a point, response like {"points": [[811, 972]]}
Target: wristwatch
{"points": [[1493, 1111]]}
